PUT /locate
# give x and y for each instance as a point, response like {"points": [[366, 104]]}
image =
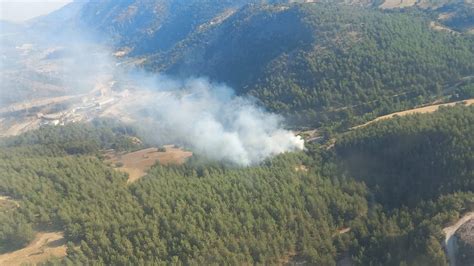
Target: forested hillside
{"points": [[407, 159], [201, 212], [332, 63], [377, 194], [309, 207], [419, 168], [316, 62], [150, 26]]}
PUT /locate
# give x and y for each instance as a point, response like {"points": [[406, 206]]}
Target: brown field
{"points": [[137, 163], [46, 245], [421, 110]]}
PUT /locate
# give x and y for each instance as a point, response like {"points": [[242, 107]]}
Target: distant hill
{"points": [[150, 26], [316, 63]]}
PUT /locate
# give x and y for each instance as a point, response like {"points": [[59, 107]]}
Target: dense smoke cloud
{"points": [[201, 115], [216, 123]]}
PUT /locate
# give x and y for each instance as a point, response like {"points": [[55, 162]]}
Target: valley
{"points": [[238, 132]]}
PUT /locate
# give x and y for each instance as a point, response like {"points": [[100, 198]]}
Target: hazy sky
{"points": [[21, 10]]}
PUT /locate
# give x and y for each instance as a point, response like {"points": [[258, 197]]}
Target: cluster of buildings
{"points": [[83, 112]]}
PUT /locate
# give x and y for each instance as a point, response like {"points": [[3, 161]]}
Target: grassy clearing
{"points": [[137, 163], [46, 245]]}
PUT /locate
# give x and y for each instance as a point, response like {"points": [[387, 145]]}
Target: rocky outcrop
{"points": [[465, 239]]}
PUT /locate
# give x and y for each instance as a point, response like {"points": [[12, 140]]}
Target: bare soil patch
{"points": [[301, 168], [46, 245], [388, 4], [137, 163], [438, 27]]}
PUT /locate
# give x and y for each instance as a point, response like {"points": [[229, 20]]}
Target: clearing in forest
{"points": [[46, 245], [137, 163], [6, 204], [421, 110]]}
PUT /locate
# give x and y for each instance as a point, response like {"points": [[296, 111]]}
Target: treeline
{"points": [[408, 159], [419, 171], [380, 197], [191, 214], [77, 138]]}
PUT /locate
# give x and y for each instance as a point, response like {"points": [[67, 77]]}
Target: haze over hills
{"points": [[150, 132], [227, 41]]}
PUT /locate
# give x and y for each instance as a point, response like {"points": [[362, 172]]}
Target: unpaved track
{"points": [[450, 241], [45, 246], [421, 110]]}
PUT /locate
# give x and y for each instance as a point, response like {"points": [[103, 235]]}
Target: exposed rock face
{"points": [[465, 237]]}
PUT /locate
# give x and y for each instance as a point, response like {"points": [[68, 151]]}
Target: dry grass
{"points": [[421, 110], [46, 245], [37, 103], [389, 4], [137, 163], [17, 127], [438, 27], [7, 204], [301, 168], [342, 231]]}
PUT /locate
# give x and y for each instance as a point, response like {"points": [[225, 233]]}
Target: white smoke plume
{"points": [[214, 122], [204, 116]]}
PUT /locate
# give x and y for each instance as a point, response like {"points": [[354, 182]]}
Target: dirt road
{"points": [[45, 246], [421, 110], [450, 239]]}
